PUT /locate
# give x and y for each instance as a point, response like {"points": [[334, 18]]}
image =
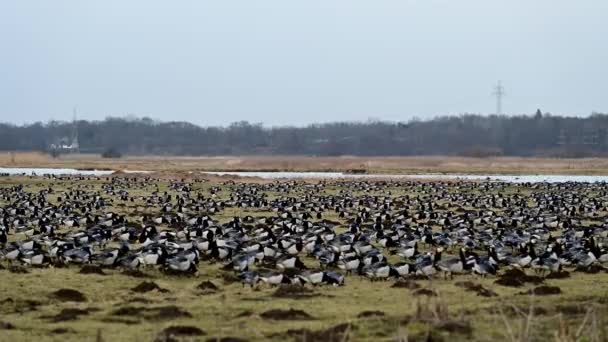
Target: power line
{"points": [[74, 143], [499, 92]]}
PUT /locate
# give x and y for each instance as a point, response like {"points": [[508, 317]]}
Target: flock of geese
{"points": [[305, 232]]}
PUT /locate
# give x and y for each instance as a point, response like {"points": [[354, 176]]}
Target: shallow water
{"points": [[329, 175], [500, 178]]}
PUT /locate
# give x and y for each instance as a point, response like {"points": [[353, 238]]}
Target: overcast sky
{"points": [[291, 62]]}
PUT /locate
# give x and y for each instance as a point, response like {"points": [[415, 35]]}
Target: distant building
{"points": [[66, 144]]}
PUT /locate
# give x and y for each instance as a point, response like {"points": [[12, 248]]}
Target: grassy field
{"points": [[113, 309], [398, 165]]}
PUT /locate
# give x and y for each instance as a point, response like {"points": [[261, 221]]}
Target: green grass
{"points": [[235, 310], [217, 313]]}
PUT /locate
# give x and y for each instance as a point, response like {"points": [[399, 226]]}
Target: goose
{"points": [[129, 261], [583, 260], [250, 278], [349, 264], [3, 236], [295, 248], [409, 252], [11, 252], [274, 278], [600, 254], [453, 265], [403, 269], [77, 255], [484, 266], [289, 262], [373, 256], [333, 278], [425, 264], [525, 259], [29, 245], [220, 252], [552, 265], [153, 255], [380, 270], [548, 262], [106, 258], [328, 258], [242, 262], [181, 264], [362, 247], [34, 258]]}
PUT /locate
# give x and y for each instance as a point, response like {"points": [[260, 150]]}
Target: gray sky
{"points": [[297, 62]]}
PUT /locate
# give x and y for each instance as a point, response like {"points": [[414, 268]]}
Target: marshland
{"points": [[329, 170], [156, 257]]}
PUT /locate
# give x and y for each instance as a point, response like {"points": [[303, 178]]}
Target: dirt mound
{"points": [[69, 295], [7, 300], [139, 300], [406, 284], [229, 278], [6, 325], [129, 311], [459, 327], [135, 274], [61, 331], [417, 277], [428, 336], [513, 311], [181, 274], [293, 292], [515, 278], [120, 320], [425, 292], [477, 288], [148, 286], [9, 305], [18, 269], [338, 333], [70, 314], [544, 290], [558, 275], [572, 309], [592, 269], [207, 286], [154, 314], [91, 269], [226, 339], [371, 313], [285, 315], [170, 333]]}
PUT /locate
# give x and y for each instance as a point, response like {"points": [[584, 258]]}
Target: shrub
{"points": [[111, 152]]}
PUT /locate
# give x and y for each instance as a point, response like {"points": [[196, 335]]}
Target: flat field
{"points": [[122, 305], [387, 165]]}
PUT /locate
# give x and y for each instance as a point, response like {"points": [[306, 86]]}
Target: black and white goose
{"points": [[425, 264], [180, 264], [350, 264], [410, 251], [274, 278], [377, 271], [290, 262], [453, 265]]}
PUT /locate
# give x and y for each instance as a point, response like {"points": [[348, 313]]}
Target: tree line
{"points": [[469, 135]]}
